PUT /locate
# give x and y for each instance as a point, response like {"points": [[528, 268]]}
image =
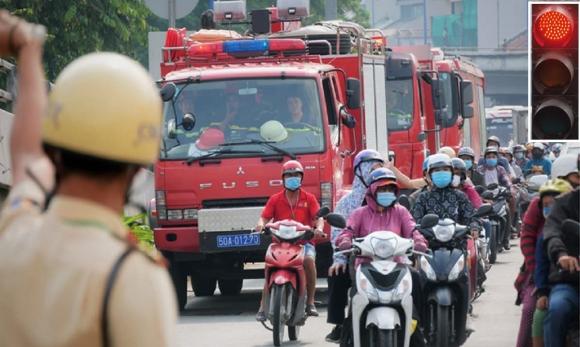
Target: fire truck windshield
{"points": [[399, 103], [204, 116]]}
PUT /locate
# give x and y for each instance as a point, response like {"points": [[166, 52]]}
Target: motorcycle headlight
{"points": [[365, 286], [444, 233], [456, 269], [383, 248], [427, 269]]}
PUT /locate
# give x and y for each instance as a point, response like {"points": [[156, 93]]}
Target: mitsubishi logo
{"points": [[241, 171]]}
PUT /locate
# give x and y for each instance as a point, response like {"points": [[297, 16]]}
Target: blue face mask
{"points": [[441, 179], [546, 211], [468, 164], [519, 155], [385, 199], [292, 183], [491, 162]]}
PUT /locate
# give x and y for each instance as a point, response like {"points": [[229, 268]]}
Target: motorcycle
{"points": [[499, 219], [530, 189], [285, 299], [382, 307], [448, 288]]}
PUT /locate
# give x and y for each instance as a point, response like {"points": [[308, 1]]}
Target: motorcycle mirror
{"points": [[336, 220], [492, 186], [483, 210], [325, 210], [429, 221], [168, 91], [404, 201], [487, 195], [479, 189]]}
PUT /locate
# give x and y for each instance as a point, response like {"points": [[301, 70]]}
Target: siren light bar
{"points": [[246, 47]]}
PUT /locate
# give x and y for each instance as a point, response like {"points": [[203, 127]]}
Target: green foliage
{"points": [[77, 27], [142, 231]]}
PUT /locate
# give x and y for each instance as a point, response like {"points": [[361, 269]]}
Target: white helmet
{"points": [[536, 181], [273, 130], [564, 165]]}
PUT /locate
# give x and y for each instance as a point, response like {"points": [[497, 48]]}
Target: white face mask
{"points": [[455, 181]]}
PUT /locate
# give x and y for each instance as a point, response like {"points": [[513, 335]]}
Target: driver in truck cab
{"points": [[299, 205]]}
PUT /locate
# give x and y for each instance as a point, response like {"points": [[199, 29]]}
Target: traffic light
{"points": [[554, 71]]}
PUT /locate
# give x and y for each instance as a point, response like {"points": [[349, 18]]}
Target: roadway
{"points": [[229, 321]]}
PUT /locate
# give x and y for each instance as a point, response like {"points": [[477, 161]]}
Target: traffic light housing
{"points": [[554, 71]]}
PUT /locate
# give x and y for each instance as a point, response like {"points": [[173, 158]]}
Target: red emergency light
{"points": [[259, 47], [553, 27]]}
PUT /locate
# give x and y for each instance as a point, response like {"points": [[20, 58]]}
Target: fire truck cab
{"points": [[235, 110]]}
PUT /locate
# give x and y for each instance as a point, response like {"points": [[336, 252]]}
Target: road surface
{"points": [[229, 322]]}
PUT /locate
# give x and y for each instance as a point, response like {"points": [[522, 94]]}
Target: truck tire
{"points": [[231, 287], [178, 275], [203, 285]]}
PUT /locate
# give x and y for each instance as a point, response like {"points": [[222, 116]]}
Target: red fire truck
{"points": [[229, 126], [450, 90]]}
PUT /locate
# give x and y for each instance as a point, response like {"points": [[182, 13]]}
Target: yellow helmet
{"points": [[555, 186], [447, 150], [273, 130], [105, 105]]}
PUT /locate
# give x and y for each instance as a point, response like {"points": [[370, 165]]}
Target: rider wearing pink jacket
{"points": [[382, 212]]}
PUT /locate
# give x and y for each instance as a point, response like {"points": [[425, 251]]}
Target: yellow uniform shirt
{"points": [[53, 271]]}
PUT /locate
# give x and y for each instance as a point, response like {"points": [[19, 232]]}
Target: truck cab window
{"points": [[285, 112]]}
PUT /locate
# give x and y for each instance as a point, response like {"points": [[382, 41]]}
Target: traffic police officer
{"points": [[70, 274]]}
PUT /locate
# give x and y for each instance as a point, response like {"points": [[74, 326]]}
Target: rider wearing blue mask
{"points": [[297, 204], [443, 200], [538, 164], [492, 171], [468, 156]]}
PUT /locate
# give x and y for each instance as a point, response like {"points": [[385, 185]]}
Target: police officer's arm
{"points": [[25, 140], [143, 309]]}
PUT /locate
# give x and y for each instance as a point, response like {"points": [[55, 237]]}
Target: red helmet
{"points": [[210, 138], [292, 166]]}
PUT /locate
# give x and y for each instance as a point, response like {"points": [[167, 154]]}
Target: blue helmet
{"points": [[367, 155], [382, 173]]}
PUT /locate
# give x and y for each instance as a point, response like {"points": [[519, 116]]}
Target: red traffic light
{"points": [[554, 27]]}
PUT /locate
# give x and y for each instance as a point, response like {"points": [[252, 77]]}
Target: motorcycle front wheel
{"points": [[442, 337], [383, 338], [277, 296], [493, 245]]}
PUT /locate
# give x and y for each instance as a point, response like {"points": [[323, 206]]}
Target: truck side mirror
{"points": [[437, 96], [467, 99], [171, 129], [188, 122], [353, 93], [421, 137], [168, 91]]}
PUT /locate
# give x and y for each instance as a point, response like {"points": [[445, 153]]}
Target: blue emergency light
{"points": [[246, 46]]}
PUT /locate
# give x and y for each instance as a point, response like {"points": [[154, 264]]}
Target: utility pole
{"points": [[331, 9], [172, 13], [425, 22]]}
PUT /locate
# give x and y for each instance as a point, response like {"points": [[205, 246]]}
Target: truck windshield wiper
{"points": [[220, 152], [268, 144]]}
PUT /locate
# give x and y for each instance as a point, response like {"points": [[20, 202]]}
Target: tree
{"points": [[77, 27]]}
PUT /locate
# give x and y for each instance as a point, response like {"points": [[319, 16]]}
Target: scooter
{"points": [[447, 286], [499, 219], [285, 299], [382, 307]]}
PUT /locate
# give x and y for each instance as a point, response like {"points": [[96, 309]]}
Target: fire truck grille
{"points": [[229, 203]]}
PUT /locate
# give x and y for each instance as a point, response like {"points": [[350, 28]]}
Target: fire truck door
{"points": [[375, 108]]}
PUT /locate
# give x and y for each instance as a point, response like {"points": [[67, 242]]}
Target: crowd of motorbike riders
{"points": [[538, 188]]}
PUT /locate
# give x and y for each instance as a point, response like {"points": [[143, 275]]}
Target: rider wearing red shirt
{"points": [[299, 205]]}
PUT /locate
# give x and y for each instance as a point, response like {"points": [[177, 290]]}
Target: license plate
{"points": [[235, 241]]}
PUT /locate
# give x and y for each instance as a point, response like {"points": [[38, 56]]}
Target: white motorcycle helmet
{"points": [[564, 165]]}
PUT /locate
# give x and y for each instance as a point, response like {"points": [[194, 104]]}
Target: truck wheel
{"points": [[203, 285], [230, 286], [179, 278]]}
